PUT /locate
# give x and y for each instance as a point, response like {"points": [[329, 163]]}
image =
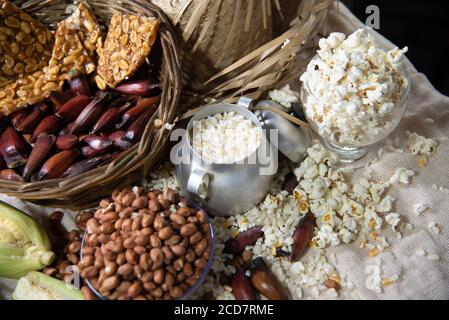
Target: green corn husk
{"points": [[24, 244], [38, 286]]}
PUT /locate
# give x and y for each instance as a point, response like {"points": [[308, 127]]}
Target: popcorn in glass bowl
{"points": [[354, 93]]}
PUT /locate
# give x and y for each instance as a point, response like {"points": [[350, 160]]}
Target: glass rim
{"points": [[398, 105]]}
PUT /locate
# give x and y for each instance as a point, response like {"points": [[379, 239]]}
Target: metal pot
{"points": [[225, 189]]}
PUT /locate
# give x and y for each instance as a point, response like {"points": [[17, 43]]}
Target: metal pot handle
{"points": [[198, 183]]}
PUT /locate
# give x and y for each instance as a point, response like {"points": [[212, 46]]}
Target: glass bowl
{"points": [[201, 278], [349, 136]]}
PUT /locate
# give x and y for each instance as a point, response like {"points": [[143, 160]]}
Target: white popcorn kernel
{"points": [[402, 175], [419, 208], [284, 96]]}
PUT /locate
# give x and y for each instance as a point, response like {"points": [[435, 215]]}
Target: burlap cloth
{"points": [[420, 278]]}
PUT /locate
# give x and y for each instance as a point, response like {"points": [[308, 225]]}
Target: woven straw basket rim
{"points": [[83, 191]]}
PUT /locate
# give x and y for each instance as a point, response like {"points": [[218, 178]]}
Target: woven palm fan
{"points": [[132, 165], [231, 47]]}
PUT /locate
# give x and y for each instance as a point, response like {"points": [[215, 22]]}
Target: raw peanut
{"points": [[184, 211], [195, 238], [87, 293], [193, 220], [87, 260], [110, 256], [136, 224], [118, 224], [110, 268], [205, 228], [164, 203], [201, 247], [157, 293], [145, 262], [159, 223], [190, 255], [201, 215], [146, 232], [169, 280], [185, 242], [86, 251], [131, 256], [165, 233], [170, 195], [155, 242], [123, 287], [146, 277], [129, 243], [140, 202], [126, 213], [178, 219], [107, 228], [158, 276], [75, 247], [147, 220], [104, 203], [178, 250], [170, 269], [135, 289], [154, 205], [91, 272], [168, 254], [157, 257], [190, 281], [109, 217], [128, 199], [331, 284], [110, 283], [99, 262], [93, 226], [187, 269], [142, 240], [115, 246], [174, 239], [50, 271], [139, 249], [188, 229], [176, 292], [125, 269], [73, 258], [149, 285], [126, 225], [121, 259], [138, 271], [200, 263], [180, 277]]}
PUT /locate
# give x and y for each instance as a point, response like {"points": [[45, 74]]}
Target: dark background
{"points": [[423, 26]]}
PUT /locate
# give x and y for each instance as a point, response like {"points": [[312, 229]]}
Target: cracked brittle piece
{"points": [[89, 31], [128, 42], [25, 44], [68, 53]]}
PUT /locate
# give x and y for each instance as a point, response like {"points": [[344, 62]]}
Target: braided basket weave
{"points": [[83, 191]]}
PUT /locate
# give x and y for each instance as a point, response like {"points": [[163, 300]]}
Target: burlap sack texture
{"points": [[235, 47]]}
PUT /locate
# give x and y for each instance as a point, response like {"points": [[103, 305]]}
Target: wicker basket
{"points": [[231, 48], [82, 191]]}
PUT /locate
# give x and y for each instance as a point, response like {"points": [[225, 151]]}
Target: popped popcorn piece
{"points": [[420, 145], [420, 252], [393, 219], [419, 208], [402, 175], [386, 204], [284, 96], [374, 280], [433, 227], [433, 257]]}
